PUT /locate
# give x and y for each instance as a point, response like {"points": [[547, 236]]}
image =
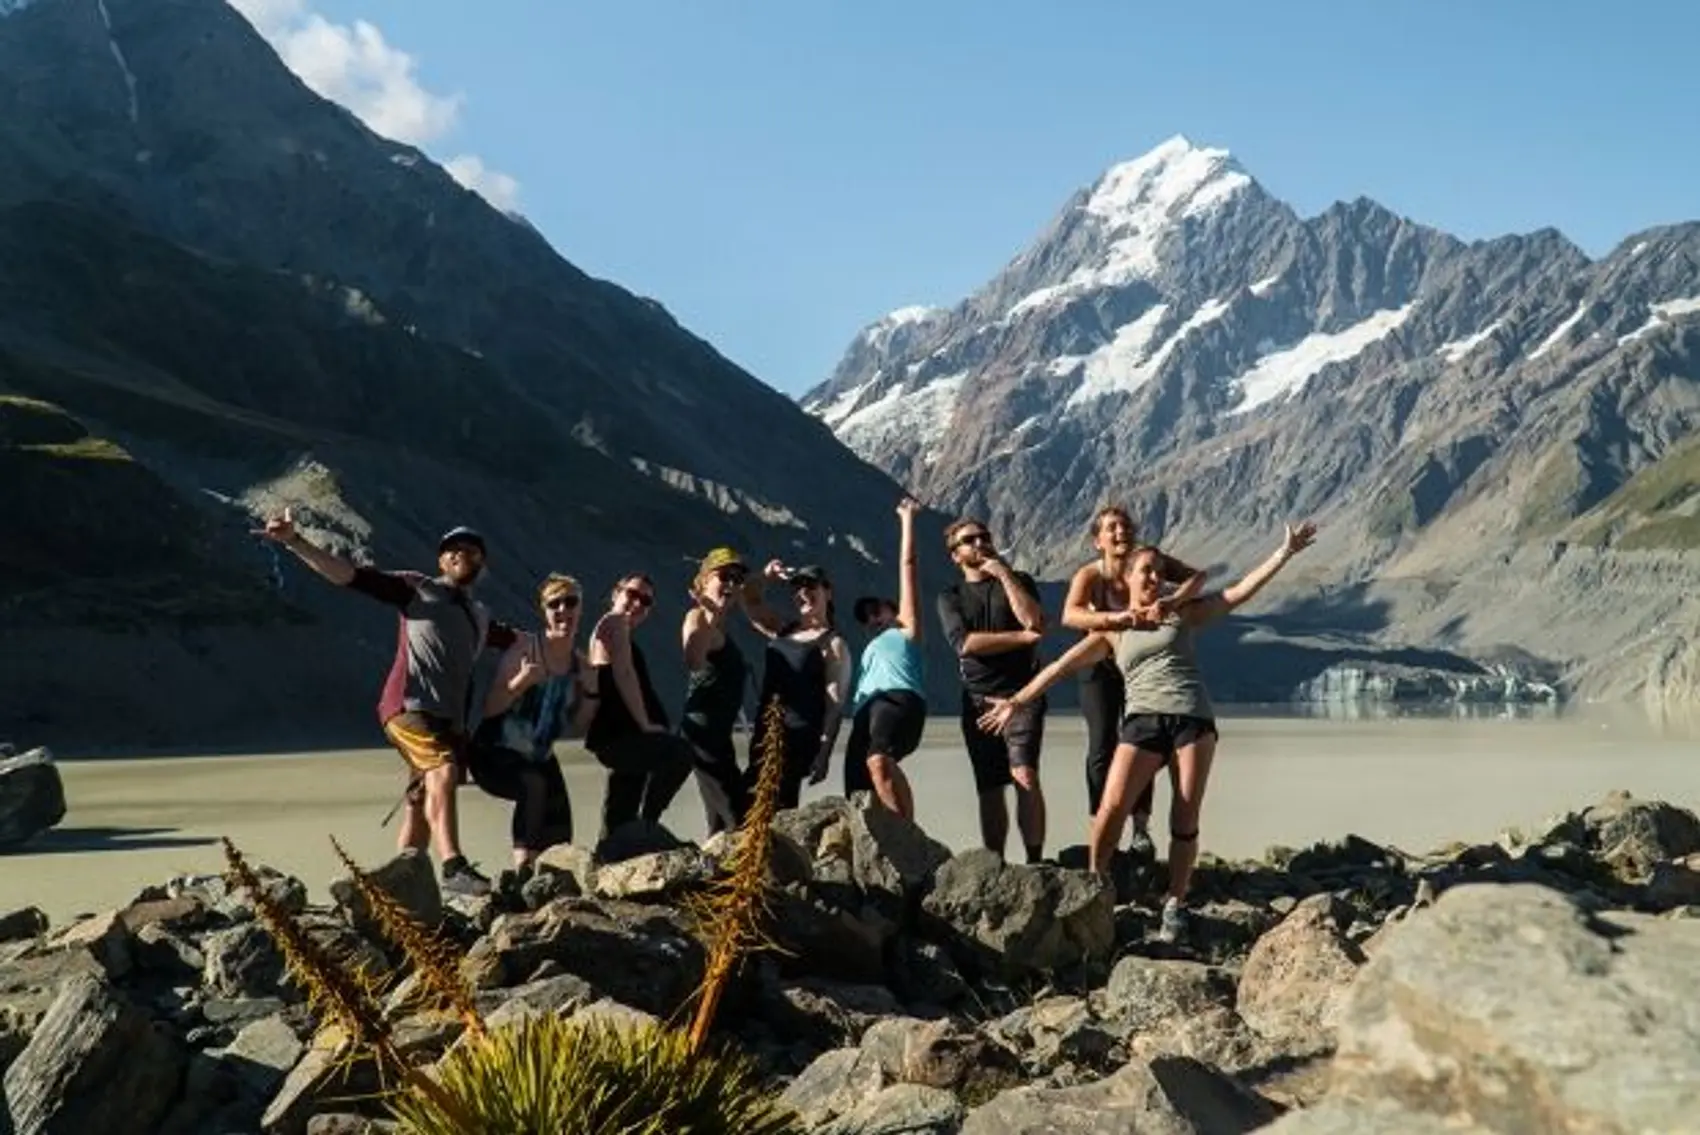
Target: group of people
{"points": [[1143, 697]]}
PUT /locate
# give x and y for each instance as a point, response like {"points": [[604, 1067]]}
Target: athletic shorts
{"points": [[888, 724], [993, 755], [1163, 733], [425, 742]]}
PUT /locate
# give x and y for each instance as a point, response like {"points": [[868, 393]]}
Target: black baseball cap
{"points": [[461, 535], [808, 575]]}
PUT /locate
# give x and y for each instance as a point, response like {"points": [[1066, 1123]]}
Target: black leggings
{"points": [[725, 795], [543, 812], [645, 772], [1101, 702]]}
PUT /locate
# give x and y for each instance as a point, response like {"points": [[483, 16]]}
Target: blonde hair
{"points": [[555, 583]]}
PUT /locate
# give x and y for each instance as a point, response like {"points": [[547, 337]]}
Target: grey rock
{"points": [[28, 988], [902, 1109], [94, 1063], [346, 1123], [553, 995], [324, 1074], [32, 797], [1171, 1095], [926, 975], [263, 1053], [1292, 982], [654, 877], [1011, 920], [1334, 1117], [787, 862], [890, 856], [1147, 993], [833, 1084], [825, 1014], [937, 1053], [845, 940], [1531, 1014], [158, 951], [409, 879], [105, 936], [1636, 835], [28, 922], [1675, 884]]}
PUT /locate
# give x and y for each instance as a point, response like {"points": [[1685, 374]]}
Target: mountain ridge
{"points": [[1240, 365]]}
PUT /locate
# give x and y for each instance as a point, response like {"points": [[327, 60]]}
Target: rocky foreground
{"points": [[1549, 981]]}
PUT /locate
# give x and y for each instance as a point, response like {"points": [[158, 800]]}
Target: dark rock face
{"points": [[381, 336], [1180, 341]]}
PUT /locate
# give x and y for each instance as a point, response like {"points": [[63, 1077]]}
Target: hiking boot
{"points": [[462, 878], [1171, 928]]}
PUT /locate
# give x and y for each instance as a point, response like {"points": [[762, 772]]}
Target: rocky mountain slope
{"points": [[1463, 418], [220, 293]]}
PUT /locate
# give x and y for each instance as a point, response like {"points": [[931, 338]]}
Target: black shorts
{"points": [[993, 755], [889, 724], [1163, 733]]}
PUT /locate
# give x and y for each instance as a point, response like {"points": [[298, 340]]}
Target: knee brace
{"points": [[1184, 837]]}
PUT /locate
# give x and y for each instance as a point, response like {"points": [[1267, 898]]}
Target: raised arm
{"points": [[1022, 593], [1236, 594], [515, 672], [837, 696], [909, 572], [1191, 581], [762, 617], [1089, 651], [281, 530], [614, 636]]}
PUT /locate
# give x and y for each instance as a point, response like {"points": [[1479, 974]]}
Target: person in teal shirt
{"points": [[889, 705]]}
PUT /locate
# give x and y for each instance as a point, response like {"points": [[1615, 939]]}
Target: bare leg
{"points": [[1192, 776], [1029, 807], [994, 819], [891, 786], [440, 785], [1130, 771]]}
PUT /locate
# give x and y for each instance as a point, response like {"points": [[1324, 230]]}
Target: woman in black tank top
{"points": [[1098, 600], [646, 763], [715, 694], [806, 668]]}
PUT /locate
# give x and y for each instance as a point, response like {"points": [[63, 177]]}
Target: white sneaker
{"points": [[1171, 927]]}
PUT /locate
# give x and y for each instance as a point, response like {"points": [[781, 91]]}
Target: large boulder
{"points": [[408, 879], [1171, 1094], [1510, 1006], [1634, 835], [1292, 982], [95, 1063], [1000, 918], [32, 797]]}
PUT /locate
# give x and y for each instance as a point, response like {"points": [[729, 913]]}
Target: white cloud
{"points": [[352, 64]]}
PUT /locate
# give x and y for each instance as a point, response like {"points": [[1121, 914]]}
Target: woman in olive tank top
{"points": [[1168, 715], [714, 695], [1098, 600]]}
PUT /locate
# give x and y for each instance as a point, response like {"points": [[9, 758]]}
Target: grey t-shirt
{"points": [[1160, 671]]}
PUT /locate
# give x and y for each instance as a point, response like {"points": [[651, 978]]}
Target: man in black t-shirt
{"points": [[993, 620]]}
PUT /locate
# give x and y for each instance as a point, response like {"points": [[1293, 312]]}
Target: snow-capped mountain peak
{"points": [[1174, 179]]}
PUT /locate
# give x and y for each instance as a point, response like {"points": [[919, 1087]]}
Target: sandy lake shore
{"points": [[1412, 782]]}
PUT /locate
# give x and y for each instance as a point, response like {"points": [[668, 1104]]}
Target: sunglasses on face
{"points": [[641, 598], [562, 603], [973, 538], [734, 576]]}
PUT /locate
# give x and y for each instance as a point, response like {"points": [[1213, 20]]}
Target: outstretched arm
{"points": [[909, 572], [762, 617], [1236, 594], [281, 530], [1191, 582], [1089, 651]]}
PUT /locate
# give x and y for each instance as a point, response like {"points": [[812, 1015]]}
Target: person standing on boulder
{"points": [[889, 707], [714, 695], [647, 764], [1098, 601], [806, 667], [540, 691], [426, 698], [993, 620], [1168, 718]]}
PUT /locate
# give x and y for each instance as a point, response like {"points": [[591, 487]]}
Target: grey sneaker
{"points": [[464, 879], [1172, 927]]}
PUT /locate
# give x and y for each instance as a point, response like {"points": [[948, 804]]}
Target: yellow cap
{"points": [[721, 558]]}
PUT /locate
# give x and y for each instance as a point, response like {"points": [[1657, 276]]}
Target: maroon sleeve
{"points": [[500, 636], [393, 587]]}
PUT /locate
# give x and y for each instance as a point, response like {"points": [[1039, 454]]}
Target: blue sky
{"points": [[780, 172]]}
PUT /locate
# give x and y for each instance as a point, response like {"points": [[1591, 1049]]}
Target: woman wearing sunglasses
{"points": [[646, 763], [806, 666], [715, 694], [539, 692]]}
